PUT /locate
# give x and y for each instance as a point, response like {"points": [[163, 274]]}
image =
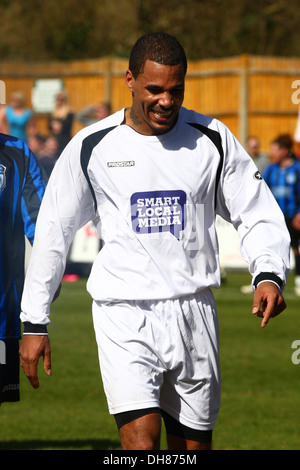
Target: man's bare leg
{"points": [[179, 443], [142, 433]]}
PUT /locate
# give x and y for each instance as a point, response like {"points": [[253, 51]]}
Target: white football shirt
{"points": [[153, 200]]}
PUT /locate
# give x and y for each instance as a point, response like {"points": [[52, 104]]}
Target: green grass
{"points": [[260, 384]]}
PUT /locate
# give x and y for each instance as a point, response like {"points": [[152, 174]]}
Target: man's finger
{"points": [[30, 370], [33, 377], [266, 315], [47, 361], [265, 311]]}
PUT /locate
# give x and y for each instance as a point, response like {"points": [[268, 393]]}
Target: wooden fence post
{"points": [[108, 81], [243, 108]]}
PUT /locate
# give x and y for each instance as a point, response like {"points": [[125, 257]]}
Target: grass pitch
{"points": [[260, 383]]}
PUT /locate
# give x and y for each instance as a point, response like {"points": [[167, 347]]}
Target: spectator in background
{"points": [[283, 178], [36, 144], [282, 145], [93, 113], [49, 154], [15, 119], [61, 120], [253, 148], [282, 175]]}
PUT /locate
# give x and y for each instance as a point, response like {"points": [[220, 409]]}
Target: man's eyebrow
{"points": [[153, 85], [158, 87]]}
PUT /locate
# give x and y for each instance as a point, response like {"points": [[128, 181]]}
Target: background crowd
{"points": [[19, 121]]}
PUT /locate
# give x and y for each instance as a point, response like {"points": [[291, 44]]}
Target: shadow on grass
{"points": [[80, 444]]}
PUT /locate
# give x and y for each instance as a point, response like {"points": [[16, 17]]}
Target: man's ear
{"points": [[129, 80]]}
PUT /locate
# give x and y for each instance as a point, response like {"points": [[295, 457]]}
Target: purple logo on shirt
{"points": [[158, 211]]}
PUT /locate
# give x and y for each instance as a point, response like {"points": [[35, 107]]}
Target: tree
{"points": [[32, 30]]}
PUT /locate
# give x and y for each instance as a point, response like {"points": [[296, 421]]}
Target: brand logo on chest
{"points": [[122, 164]]}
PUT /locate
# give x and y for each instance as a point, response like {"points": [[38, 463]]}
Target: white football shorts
{"points": [[161, 354]]}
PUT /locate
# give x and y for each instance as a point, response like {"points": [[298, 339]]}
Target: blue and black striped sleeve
{"points": [[34, 185]]}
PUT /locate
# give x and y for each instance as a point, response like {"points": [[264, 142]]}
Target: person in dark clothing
{"points": [[22, 186]]}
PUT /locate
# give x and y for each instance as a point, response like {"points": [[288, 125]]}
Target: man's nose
{"points": [[166, 99]]}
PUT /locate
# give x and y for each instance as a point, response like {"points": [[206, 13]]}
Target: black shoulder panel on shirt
{"points": [[88, 144], [215, 137]]}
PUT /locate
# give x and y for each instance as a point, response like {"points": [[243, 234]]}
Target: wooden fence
{"points": [[252, 95]]}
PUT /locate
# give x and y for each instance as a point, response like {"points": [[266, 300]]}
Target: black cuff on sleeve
{"points": [[267, 277], [34, 329]]}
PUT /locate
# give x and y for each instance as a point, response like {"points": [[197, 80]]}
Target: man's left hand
{"points": [[268, 302]]}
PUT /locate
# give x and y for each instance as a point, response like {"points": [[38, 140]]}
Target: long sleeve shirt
{"points": [[154, 200]]}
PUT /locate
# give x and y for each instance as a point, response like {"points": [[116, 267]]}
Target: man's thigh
{"points": [[131, 371], [142, 433]]}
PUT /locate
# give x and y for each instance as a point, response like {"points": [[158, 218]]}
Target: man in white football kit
{"points": [[152, 178]]}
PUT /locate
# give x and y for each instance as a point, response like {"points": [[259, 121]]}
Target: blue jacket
{"points": [[22, 186]]}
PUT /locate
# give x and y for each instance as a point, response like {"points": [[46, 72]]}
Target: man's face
{"points": [[253, 147], [157, 95], [277, 153]]}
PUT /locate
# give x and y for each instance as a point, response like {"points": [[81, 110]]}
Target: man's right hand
{"points": [[32, 348]]}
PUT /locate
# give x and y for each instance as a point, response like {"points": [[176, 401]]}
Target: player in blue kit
{"points": [[283, 178], [22, 187], [152, 178]]}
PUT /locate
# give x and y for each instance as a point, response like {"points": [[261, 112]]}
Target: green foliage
{"points": [[260, 384], [32, 30]]}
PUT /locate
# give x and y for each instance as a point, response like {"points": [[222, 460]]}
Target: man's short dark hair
{"points": [[284, 141], [161, 48]]}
